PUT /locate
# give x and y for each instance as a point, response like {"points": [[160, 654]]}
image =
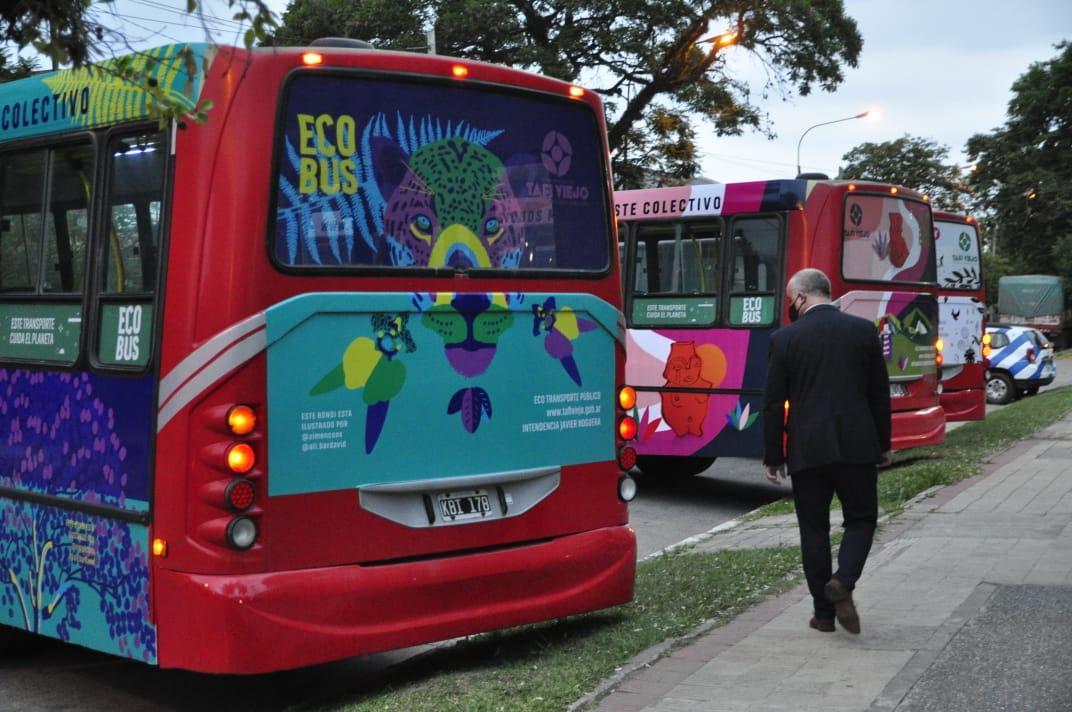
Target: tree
{"points": [[914, 162], [1024, 168], [23, 67], [660, 66], [67, 32]]}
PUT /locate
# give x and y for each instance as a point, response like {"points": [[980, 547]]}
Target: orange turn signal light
{"points": [[312, 59], [939, 344], [986, 339], [893, 191], [576, 92], [852, 186], [240, 458], [460, 71], [627, 397], [241, 420], [627, 428], [159, 547]]}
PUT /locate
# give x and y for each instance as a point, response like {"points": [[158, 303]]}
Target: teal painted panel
{"points": [[76, 577], [377, 388]]}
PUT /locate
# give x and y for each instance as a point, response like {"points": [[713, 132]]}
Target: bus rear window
{"points": [[957, 245], [384, 173], [887, 239]]}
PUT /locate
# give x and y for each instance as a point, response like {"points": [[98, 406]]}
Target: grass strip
{"points": [[550, 665], [965, 451]]}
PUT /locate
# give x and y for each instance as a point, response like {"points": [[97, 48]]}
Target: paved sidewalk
{"points": [[966, 604]]}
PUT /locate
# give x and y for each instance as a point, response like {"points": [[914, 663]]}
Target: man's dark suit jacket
{"points": [[830, 368]]}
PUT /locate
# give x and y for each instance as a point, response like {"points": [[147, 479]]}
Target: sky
{"points": [[938, 69]]}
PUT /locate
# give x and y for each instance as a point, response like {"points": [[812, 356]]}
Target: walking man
{"points": [[829, 368]]}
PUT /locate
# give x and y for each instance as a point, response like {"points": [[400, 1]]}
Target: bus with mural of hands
{"points": [[705, 269], [332, 372]]}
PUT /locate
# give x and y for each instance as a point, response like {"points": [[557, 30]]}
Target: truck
{"points": [[1039, 301]]}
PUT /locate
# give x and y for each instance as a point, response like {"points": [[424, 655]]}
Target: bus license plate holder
{"points": [[464, 505], [898, 390]]}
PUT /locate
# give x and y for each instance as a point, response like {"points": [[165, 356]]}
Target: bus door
{"points": [[701, 309]]}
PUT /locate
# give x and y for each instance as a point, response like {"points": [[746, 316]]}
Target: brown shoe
{"points": [[823, 625], [845, 610]]}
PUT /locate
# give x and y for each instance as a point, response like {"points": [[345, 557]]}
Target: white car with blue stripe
{"points": [[1021, 362]]}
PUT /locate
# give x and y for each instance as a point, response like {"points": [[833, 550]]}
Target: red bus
{"points": [[331, 373], [704, 281], [962, 316]]}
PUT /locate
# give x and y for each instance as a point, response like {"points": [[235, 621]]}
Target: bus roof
{"points": [[73, 99], [714, 199]]}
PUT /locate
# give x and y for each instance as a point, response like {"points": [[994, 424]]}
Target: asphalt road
{"points": [[51, 676]]}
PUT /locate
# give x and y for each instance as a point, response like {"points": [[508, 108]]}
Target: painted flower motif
{"points": [[741, 418], [370, 364], [561, 327]]}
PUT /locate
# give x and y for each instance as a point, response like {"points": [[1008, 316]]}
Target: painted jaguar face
{"points": [[470, 326], [454, 208]]}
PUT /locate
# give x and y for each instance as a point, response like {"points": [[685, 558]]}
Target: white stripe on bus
{"points": [[205, 353], [233, 357]]}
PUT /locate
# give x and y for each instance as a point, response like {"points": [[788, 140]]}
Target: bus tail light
{"points": [[627, 458], [240, 494], [627, 428], [576, 92], [241, 419], [1030, 355], [312, 59], [939, 344], [241, 533], [240, 458], [627, 488], [459, 71], [159, 548], [627, 397]]}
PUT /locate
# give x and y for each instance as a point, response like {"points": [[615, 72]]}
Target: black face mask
{"points": [[794, 313]]}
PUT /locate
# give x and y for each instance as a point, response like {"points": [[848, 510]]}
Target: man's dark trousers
{"points": [[813, 490]]}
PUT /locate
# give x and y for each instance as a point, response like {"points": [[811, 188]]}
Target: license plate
{"points": [[469, 504], [898, 390]]}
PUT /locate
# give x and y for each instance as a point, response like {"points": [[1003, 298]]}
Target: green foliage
{"points": [[651, 61], [549, 666], [913, 162], [996, 266], [22, 67], [1024, 169]]}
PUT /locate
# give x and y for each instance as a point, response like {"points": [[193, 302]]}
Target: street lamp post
{"points": [[825, 123]]}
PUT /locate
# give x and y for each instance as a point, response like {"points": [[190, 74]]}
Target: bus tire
{"points": [[999, 388], [673, 468]]}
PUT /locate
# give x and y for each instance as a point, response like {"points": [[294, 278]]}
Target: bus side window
{"points": [[23, 176], [755, 253], [130, 249], [42, 251], [67, 227]]}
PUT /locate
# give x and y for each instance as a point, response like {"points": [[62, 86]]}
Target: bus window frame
{"points": [[358, 271], [91, 318], [629, 293], [52, 143], [891, 285], [783, 244]]}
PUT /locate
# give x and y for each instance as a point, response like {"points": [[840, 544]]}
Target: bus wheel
{"points": [[673, 467], [999, 389]]}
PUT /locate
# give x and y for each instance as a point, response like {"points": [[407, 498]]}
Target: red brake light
{"points": [[627, 428], [240, 494], [627, 458]]}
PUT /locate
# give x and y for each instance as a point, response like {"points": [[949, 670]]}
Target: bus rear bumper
{"points": [[257, 623], [968, 404], [918, 428]]}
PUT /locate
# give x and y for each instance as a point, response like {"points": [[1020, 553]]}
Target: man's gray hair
{"points": [[811, 281]]}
